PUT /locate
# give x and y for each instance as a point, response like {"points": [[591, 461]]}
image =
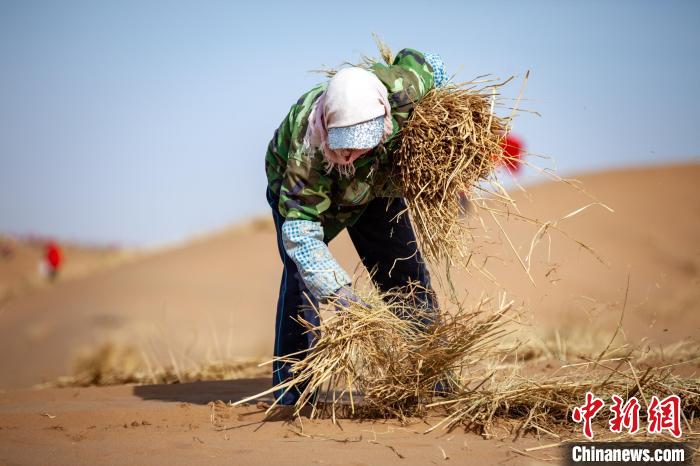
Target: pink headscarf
{"points": [[354, 95]]}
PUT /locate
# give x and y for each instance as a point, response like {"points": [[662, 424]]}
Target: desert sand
{"points": [[215, 299]]}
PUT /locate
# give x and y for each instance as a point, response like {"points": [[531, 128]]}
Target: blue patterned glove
{"points": [[303, 242], [439, 73]]}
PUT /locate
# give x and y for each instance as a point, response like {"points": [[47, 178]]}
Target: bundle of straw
{"points": [[448, 146], [392, 352]]}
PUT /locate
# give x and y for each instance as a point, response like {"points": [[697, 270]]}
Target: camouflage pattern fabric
{"points": [[299, 179]]}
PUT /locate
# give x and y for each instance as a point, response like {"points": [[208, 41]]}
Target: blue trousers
{"points": [[379, 239]]}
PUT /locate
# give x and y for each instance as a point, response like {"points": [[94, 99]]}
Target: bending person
{"points": [[328, 168]]}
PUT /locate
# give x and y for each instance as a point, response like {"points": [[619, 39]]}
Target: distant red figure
{"points": [[512, 152], [53, 258], [511, 158]]}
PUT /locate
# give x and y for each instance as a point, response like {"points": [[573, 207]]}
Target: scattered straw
{"points": [[389, 358], [543, 403]]}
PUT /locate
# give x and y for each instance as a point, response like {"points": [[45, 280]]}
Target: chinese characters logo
{"points": [[662, 415]]}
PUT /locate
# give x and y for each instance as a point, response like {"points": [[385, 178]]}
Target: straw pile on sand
{"points": [[392, 353], [543, 403], [388, 359], [114, 364]]}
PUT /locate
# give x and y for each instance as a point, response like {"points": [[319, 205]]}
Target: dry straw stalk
{"points": [[450, 145]]}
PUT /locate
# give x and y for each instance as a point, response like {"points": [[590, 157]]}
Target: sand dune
{"points": [[216, 297], [651, 238]]}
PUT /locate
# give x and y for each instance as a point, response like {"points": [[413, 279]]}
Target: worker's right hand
{"points": [[344, 296]]}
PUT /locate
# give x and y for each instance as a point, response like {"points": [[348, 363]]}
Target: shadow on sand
{"points": [[204, 392]]}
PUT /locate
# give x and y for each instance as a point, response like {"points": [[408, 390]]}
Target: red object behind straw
{"points": [[512, 151]]}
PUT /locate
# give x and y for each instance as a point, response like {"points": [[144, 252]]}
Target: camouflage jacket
{"points": [[299, 179]]}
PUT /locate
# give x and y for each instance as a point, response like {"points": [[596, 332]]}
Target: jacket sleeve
{"points": [[304, 197], [303, 242]]}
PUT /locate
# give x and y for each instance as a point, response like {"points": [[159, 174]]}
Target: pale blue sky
{"points": [[145, 122]]}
